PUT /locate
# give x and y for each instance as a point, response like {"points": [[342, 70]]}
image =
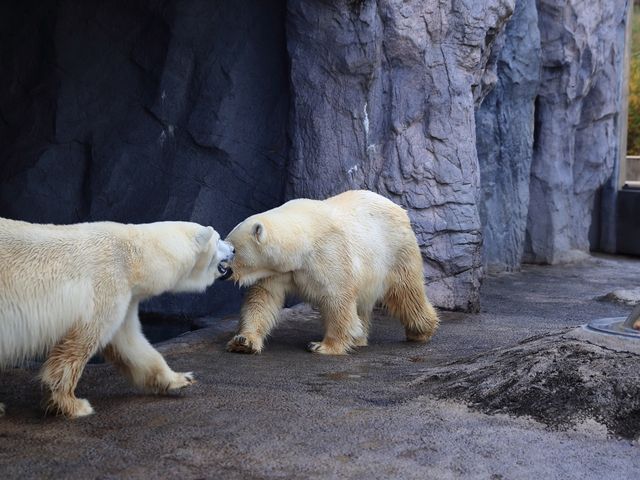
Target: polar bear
{"points": [[343, 255], [71, 291]]}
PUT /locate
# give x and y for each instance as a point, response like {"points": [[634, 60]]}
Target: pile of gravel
{"points": [[556, 379]]}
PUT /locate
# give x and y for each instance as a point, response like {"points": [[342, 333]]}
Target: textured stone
{"points": [[576, 123], [383, 97], [504, 128], [143, 111], [157, 110]]}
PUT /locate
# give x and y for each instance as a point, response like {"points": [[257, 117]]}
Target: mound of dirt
{"points": [[558, 380], [629, 296]]}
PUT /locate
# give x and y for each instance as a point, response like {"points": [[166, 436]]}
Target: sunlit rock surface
{"points": [[382, 98]]}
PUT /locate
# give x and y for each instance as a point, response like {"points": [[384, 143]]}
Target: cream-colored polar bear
{"points": [[343, 255], [70, 291]]}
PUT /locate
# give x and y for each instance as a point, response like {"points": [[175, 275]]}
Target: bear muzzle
{"points": [[226, 252], [226, 271]]}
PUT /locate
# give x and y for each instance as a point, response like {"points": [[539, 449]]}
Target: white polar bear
{"points": [[71, 291], [343, 255]]}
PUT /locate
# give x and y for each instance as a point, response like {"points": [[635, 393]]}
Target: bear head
{"points": [[183, 257], [266, 245]]}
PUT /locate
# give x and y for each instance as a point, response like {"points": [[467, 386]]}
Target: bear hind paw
{"points": [[69, 406], [360, 342]]}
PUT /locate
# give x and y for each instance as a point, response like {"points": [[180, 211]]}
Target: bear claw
{"points": [[322, 348], [240, 344], [177, 381], [187, 379]]}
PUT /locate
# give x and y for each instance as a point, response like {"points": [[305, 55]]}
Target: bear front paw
{"points": [[168, 380], [1, 409], [181, 380], [242, 344], [327, 349]]}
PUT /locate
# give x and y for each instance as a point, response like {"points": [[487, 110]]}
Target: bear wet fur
{"points": [[343, 255]]}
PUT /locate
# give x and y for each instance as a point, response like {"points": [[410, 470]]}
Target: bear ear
{"points": [[258, 232], [203, 236]]}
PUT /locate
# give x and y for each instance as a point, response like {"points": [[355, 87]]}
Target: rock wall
{"points": [[382, 98], [504, 126], [548, 134], [143, 111], [478, 122], [576, 123]]}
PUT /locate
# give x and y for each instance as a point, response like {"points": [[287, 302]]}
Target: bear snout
{"points": [[226, 251], [227, 274]]}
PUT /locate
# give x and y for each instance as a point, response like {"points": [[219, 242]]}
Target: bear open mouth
{"points": [[225, 271]]}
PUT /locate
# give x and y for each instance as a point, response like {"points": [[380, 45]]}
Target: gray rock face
{"points": [[541, 177], [383, 96], [204, 111], [144, 111], [504, 130], [576, 123]]}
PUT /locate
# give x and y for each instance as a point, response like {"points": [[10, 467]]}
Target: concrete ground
{"points": [[289, 414]]}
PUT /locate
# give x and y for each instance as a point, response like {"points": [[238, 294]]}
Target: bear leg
{"points": [[364, 314], [259, 315], [134, 356], [342, 327], [63, 368], [405, 300], [1, 409]]}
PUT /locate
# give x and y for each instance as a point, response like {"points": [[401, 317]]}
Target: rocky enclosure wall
{"points": [[548, 133], [382, 98], [494, 122], [138, 111], [505, 129], [384, 95]]}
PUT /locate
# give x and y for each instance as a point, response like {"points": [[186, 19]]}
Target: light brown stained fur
{"points": [[262, 309], [338, 320], [112, 354], [64, 366], [405, 300]]}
